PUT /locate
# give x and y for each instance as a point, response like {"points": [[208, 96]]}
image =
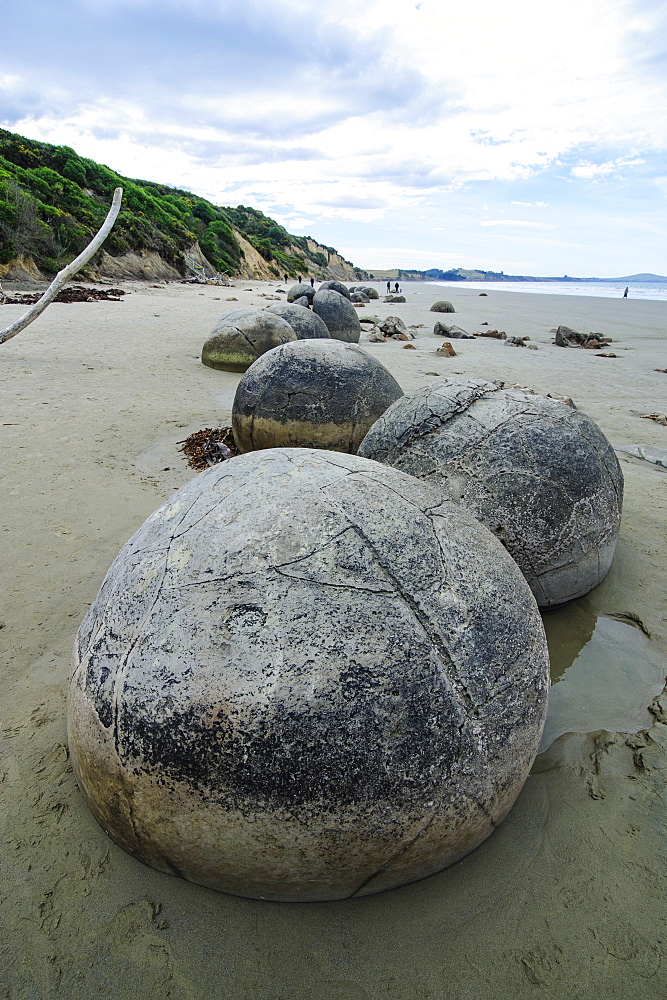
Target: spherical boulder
{"points": [[335, 286], [301, 291], [339, 315], [305, 323], [305, 677], [233, 314], [311, 394], [238, 340], [442, 307], [368, 290], [540, 474]]}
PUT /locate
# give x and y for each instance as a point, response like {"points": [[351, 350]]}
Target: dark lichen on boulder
{"points": [[306, 677]]}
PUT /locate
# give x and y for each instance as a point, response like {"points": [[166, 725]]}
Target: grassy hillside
{"points": [[52, 201]]}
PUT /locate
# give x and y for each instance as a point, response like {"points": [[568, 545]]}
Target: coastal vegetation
{"points": [[52, 201]]}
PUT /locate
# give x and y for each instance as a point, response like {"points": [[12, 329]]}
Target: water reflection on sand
{"points": [[604, 672]]}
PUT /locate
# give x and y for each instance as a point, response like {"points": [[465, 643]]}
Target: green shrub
{"points": [[52, 201], [74, 170], [318, 258], [8, 214]]}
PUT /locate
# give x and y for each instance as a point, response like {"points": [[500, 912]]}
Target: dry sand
{"points": [[566, 899]]}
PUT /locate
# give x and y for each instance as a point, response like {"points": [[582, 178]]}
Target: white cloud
{"points": [[373, 115], [586, 169], [512, 222], [383, 258]]}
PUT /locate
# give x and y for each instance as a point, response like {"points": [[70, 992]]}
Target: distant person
{"points": [[298, 278], [625, 293], [389, 286], [396, 288], [286, 277], [312, 282]]}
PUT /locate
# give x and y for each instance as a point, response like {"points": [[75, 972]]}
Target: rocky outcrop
{"points": [[336, 266], [21, 268], [565, 337], [149, 265], [195, 261], [453, 331], [253, 264]]}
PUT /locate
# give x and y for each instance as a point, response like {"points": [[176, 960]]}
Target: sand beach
{"points": [[567, 899]]}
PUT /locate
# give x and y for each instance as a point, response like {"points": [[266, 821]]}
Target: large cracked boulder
{"points": [[242, 336], [305, 323], [305, 677], [335, 286], [311, 394], [367, 290], [339, 315], [301, 291], [540, 474]]}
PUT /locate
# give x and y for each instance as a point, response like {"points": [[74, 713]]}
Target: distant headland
{"points": [[467, 274]]}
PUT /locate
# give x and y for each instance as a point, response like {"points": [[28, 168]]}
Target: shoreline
{"points": [[651, 291], [96, 397]]}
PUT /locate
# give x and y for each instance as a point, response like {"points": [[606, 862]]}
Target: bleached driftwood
{"points": [[67, 272]]}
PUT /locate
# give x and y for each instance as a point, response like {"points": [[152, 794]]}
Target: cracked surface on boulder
{"points": [[338, 314], [243, 335], [305, 323], [335, 286], [541, 475], [307, 677], [302, 291], [311, 394]]}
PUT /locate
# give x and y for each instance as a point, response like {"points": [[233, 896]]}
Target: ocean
{"points": [[598, 289]]}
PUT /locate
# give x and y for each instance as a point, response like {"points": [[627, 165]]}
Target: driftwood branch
{"points": [[67, 272]]}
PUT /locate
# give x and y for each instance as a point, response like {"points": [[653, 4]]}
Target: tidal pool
{"points": [[605, 671]]}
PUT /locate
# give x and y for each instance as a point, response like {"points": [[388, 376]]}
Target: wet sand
{"points": [[566, 899]]}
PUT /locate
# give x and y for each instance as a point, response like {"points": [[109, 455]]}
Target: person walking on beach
{"points": [[286, 279], [396, 288], [389, 286], [625, 293], [312, 282]]}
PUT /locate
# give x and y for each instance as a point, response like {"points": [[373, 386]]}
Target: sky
{"points": [[523, 137]]}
